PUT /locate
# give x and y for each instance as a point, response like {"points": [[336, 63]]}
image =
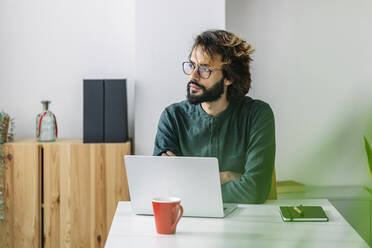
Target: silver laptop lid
{"points": [[193, 179]]}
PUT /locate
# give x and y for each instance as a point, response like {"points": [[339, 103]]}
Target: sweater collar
{"points": [[220, 116]]}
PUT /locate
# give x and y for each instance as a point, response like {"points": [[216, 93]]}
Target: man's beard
{"points": [[210, 95]]}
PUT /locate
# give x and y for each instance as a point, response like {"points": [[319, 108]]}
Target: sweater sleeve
{"points": [[254, 185], [166, 136]]}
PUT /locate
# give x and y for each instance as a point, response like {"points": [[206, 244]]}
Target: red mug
{"points": [[167, 212]]}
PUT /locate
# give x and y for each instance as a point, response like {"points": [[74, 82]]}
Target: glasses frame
{"points": [[198, 69]]}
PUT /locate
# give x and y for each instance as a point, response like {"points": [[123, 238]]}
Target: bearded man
{"points": [[219, 120]]}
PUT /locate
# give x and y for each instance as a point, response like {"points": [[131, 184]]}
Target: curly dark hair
{"points": [[236, 58]]}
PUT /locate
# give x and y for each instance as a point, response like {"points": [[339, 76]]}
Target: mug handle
{"points": [[178, 218]]}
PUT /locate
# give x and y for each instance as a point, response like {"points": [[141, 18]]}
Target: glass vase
{"points": [[46, 125]]}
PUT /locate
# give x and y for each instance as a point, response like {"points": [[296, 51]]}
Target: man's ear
{"points": [[227, 82]]}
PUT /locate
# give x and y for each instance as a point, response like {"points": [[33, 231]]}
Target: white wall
{"points": [[313, 64], [48, 47], [164, 34]]}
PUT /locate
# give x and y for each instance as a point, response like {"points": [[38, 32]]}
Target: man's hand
{"points": [[168, 153], [227, 176]]}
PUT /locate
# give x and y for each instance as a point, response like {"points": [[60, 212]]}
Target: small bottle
{"points": [[46, 125]]}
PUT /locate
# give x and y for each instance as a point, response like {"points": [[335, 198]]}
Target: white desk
{"points": [[248, 226]]}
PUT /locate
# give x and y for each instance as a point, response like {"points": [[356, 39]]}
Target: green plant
{"points": [[6, 134], [369, 155]]}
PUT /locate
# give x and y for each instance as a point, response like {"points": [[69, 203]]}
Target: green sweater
{"points": [[242, 138]]}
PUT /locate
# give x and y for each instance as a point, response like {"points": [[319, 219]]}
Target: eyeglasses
{"points": [[204, 72]]}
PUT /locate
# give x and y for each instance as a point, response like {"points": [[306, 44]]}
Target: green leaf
{"points": [[369, 154]]}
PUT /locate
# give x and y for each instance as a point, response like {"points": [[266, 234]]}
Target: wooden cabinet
{"points": [[22, 197], [62, 194]]}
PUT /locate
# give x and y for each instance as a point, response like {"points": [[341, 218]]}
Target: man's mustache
{"points": [[196, 83]]}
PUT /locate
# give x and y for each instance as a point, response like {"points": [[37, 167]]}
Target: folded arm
{"points": [[166, 140]]}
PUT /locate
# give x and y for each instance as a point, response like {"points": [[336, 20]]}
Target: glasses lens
{"points": [[187, 67], [204, 72]]}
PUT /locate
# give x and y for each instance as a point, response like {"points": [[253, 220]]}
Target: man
{"points": [[218, 120]]}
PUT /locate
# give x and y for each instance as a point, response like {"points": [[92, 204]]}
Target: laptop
{"points": [[196, 180]]}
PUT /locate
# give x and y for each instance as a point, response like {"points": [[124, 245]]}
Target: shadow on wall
{"points": [[340, 157]]}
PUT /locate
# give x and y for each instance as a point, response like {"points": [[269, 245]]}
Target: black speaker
{"points": [[116, 116], [105, 111], [93, 111]]}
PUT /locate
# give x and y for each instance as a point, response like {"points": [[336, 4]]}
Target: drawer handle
{"points": [[9, 157]]}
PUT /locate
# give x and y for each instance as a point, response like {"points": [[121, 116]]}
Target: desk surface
{"points": [[248, 226]]}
